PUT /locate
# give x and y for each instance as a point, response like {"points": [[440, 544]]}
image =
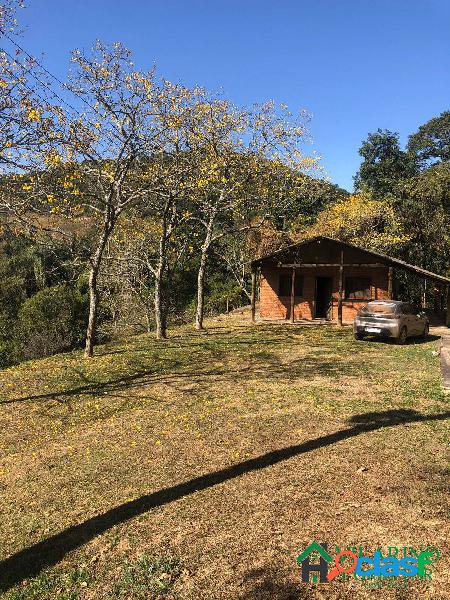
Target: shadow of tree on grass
{"points": [[30, 561], [267, 583]]}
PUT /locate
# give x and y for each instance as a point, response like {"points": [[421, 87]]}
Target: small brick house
{"points": [[327, 279]]}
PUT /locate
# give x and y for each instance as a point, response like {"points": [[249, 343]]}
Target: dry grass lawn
{"points": [[200, 467]]}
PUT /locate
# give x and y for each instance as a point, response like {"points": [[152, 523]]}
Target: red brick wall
{"points": [[271, 306]]}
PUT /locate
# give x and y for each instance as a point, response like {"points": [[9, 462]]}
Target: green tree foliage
{"points": [[415, 191], [222, 294], [431, 142], [423, 206], [20, 270], [404, 209], [27, 272], [51, 321], [307, 200], [384, 164]]}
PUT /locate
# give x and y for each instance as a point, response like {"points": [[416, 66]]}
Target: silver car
{"points": [[391, 319]]}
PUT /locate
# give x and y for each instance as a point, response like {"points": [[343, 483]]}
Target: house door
{"points": [[323, 297]]}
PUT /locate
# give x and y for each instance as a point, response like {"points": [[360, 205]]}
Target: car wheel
{"points": [[359, 336], [426, 331], [402, 336]]}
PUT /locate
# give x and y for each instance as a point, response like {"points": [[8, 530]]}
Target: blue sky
{"points": [[355, 65]]}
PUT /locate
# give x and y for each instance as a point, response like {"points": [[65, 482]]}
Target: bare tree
{"points": [[249, 162]]}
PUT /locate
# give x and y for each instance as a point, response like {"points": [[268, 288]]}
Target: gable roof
{"points": [[388, 260], [314, 547]]}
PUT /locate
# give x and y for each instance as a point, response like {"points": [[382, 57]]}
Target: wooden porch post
{"points": [[436, 292], [253, 295], [341, 289], [390, 282], [292, 294], [424, 294], [447, 318]]}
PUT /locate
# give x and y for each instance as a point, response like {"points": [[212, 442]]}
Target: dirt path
{"points": [[444, 332]]}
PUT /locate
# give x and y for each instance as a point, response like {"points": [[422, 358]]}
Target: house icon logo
{"points": [[314, 561], [315, 558]]}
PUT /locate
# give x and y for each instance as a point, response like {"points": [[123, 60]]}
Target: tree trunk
{"points": [[96, 259], [447, 316], [93, 305], [147, 318], [168, 220], [161, 331], [202, 270], [201, 290]]}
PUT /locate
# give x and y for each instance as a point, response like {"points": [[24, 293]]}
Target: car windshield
{"points": [[384, 309]]}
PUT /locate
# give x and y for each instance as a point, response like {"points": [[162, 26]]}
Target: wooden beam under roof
{"points": [[315, 265]]}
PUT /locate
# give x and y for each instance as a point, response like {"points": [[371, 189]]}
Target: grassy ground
{"points": [[200, 467]]}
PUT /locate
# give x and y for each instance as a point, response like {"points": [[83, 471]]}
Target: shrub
{"points": [[51, 321], [10, 353], [221, 294]]}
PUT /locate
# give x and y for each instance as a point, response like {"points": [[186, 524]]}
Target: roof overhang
{"points": [[384, 258]]}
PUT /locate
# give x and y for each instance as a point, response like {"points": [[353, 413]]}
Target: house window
{"points": [[358, 288], [285, 285]]}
